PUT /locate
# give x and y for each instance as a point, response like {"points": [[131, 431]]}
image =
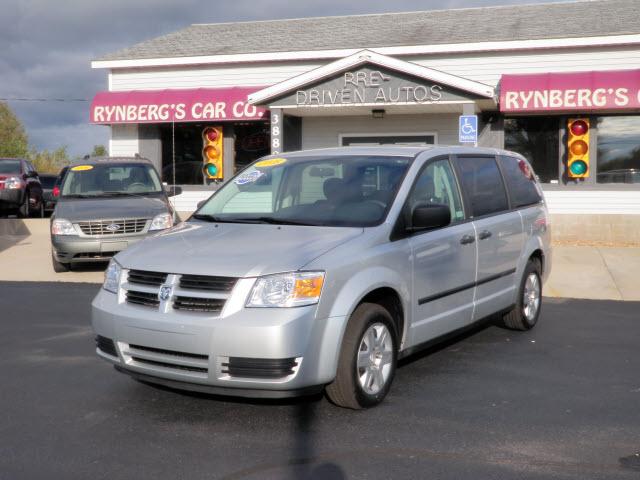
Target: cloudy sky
{"points": [[46, 48]]}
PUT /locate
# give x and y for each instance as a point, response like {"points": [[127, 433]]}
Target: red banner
{"points": [[162, 106], [567, 92]]}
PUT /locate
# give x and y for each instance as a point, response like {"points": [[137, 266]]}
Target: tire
{"points": [[376, 370], [40, 212], [25, 209], [525, 314], [59, 267]]}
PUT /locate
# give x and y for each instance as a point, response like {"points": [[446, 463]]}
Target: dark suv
{"points": [[20, 189]]}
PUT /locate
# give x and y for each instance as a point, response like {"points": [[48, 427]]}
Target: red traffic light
{"points": [[212, 134], [579, 128]]}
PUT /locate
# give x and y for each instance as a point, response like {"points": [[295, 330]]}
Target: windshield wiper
{"points": [[77, 195], [208, 218], [274, 221], [124, 194]]}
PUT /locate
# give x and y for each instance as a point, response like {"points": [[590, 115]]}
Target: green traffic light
{"points": [[578, 167], [211, 169]]}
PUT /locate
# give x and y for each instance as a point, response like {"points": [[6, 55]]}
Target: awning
{"points": [[166, 106], [567, 92]]}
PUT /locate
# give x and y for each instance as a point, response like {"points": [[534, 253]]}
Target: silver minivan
{"points": [[320, 269]]}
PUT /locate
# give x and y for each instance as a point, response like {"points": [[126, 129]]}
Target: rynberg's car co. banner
{"points": [[161, 106], [579, 91]]}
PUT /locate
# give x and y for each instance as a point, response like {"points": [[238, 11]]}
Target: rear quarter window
{"points": [[521, 182]]}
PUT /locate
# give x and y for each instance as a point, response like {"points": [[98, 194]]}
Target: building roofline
{"points": [[451, 48]]}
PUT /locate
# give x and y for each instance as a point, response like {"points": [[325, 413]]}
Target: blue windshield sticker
{"points": [[248, 177]]}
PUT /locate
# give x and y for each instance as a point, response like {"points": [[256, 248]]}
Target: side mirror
{"points": [[428, 216], [201, 203], [172, 191]]}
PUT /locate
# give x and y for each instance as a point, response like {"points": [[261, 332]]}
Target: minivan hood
{"points": [[233, 249], [108, 208]]}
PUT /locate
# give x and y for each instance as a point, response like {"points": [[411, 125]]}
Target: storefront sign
{"points": [[162, 106], [580, 91], [370, 85]]}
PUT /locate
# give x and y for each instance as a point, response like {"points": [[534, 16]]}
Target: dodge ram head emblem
{"points": [[165, 293]]}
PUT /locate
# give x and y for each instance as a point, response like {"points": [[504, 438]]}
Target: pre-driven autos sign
{"points": [[580, 91], [219, 104]]}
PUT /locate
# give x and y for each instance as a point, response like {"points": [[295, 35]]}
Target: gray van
{"points": [[320, 269], [106, 204]]}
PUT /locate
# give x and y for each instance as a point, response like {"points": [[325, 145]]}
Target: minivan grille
{"points": [[108, 227], [203, 282], [144, 299], [181, 362], [195, 304], [259, 367], [142, 277]]}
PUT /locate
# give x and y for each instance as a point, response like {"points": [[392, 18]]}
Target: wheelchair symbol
{"points": [[467, 128]]}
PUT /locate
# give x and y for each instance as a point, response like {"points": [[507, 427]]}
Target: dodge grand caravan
{"points": [[320, 269], [106, 204]]}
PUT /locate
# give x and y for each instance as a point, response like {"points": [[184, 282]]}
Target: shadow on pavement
{"points": [[12, 231]]}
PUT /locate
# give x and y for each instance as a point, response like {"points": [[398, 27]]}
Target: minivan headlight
{"points": [[162, 221], [293, 289], [60, 226], [112, 277]]}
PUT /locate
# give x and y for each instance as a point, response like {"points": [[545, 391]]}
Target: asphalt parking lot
{"points": [[561, 401]]}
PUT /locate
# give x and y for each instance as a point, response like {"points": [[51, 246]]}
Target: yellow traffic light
{"points": [[578, 148], [212, 153]]}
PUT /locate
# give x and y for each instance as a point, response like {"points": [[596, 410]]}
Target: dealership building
{"points": [[557, 82]]}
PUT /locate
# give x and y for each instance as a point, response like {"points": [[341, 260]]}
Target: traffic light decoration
{"points": [[578, 148], [212, 153]]}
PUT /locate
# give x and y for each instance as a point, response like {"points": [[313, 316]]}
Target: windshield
{"points": [[110, 179], [330, 191], [9, 166]]}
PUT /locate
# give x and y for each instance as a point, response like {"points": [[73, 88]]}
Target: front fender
{"points": [[343, 303]]}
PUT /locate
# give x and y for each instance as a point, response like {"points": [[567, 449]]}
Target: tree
{"points": [[49, 162], [99, 151], [13, 138]]}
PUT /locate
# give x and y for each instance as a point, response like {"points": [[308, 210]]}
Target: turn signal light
{"points": [[212, 153], [578, 147]]}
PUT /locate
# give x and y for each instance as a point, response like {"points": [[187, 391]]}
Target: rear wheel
{"points": [[525, 313], [25, 209], [367, 362], [59, 267]]}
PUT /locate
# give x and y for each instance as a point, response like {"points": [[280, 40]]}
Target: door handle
{"points": [[484, 234], [466, 239]]}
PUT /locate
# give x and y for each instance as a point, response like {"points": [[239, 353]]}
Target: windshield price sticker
{"points": [[248, 177], [82, 168], [271, 162]]}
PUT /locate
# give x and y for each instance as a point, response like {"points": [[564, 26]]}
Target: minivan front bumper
{"points": [[77, 249], [255, 352]]}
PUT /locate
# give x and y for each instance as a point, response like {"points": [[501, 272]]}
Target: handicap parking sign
{"points": [[468, 129]]}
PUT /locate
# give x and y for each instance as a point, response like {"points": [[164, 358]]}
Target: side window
{"points": [[437, 184], [483, 185], [523, 189]]}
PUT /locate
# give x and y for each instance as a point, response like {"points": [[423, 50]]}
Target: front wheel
{"points": [[525, 313], [59, 267], [367, 362]]}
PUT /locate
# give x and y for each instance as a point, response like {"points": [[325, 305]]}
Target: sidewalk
{"points": [[599, 273]]}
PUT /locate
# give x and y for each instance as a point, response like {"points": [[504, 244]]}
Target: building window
{"points": [[537, 139], [618, 152], [187, 151]]}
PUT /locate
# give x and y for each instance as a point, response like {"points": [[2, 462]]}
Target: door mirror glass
{"points": [[429, 216]]}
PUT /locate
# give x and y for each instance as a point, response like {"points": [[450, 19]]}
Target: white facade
{"points": [[325, 130]]}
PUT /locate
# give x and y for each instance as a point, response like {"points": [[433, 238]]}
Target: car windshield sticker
{"points": [[271, 162], [81, 168], [248, 177]]}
